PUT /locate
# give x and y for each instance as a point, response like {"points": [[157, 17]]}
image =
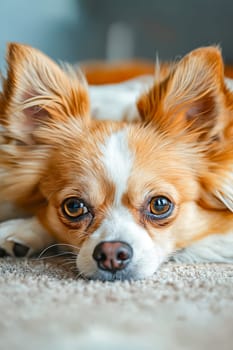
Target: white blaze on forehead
{"points": [[118, 161]]}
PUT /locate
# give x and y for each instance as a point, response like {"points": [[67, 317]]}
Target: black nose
{"points": [[112, 255]]}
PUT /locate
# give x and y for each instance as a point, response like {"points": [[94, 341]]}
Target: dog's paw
{"points": [[22, 237]]}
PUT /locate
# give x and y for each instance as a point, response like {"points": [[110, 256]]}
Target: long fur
{"points": [[51, 149]]}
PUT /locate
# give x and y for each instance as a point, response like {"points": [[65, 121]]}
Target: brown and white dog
{"points": [[140, 174]]}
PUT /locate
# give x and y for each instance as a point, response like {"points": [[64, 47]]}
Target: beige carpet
{"points": [[44, 306]]}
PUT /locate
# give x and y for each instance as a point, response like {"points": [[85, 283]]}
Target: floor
{"points": [[44, 305]]}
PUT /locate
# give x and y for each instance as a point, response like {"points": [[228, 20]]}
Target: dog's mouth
{"points": [[131, 272]]}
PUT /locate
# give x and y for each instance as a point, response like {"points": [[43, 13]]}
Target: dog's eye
{"points": [[74, 208], [161, 207]]}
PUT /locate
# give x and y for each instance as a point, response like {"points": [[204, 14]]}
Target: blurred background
{"points": [[77, 30]]}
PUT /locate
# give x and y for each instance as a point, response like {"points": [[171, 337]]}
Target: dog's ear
{"points": [[194, 102], [192, 94], [37, 90]]}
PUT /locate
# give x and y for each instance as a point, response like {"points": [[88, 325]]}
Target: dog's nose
{"points": [[112, 255]]}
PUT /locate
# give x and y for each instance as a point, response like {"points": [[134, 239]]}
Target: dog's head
{"points": [[125, 195]]}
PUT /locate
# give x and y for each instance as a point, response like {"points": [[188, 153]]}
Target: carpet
{"points": [[45, 306]]}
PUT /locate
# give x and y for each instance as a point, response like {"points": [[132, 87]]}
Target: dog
{"points": [[150, 180]]}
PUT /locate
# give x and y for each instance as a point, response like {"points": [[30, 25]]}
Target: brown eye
{"points": [[161, 207], [74, 208]]}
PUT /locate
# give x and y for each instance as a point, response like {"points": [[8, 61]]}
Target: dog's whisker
{"points": [[81, 274], [71, 259], [54, 256], [69, 263], [57, 245]]}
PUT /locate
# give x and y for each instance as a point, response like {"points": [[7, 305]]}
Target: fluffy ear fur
{"points": [[36, 95], [36, 90], [194, 102], [193, 94]]}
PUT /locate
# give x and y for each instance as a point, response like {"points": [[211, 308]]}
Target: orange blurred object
{"points": [[100, 72]]}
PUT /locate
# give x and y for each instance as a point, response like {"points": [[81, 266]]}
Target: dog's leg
{"points": [[23, 237]]}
